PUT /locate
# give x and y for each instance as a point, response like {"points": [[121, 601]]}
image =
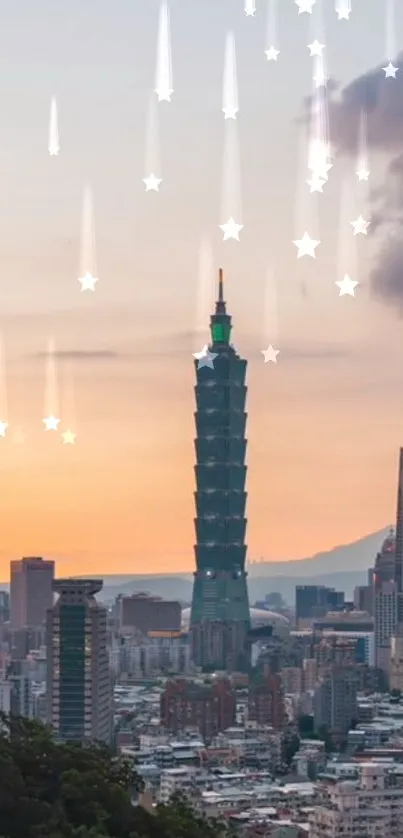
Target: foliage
{"points": [[54, 790]]}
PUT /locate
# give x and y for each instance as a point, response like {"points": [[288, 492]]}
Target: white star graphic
{"points": [[69, 437], [316, 183], [316, 49], [305, 6], [88, 282], [152, 183], [360, 226], [346, 286], [51, 423], [231, 230], [230, 112], [164, 94], [306, 246], [272, 54], [363, 173], [270, 354], [54, 150], [250, 8], [343, 12], [320, 78], [390, 71], [205, 358], [3, 428]]}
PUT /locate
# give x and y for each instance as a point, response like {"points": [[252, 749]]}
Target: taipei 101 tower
{"points": [[220, 618]]}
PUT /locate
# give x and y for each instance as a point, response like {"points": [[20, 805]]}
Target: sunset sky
{"points": [[325, 423]]}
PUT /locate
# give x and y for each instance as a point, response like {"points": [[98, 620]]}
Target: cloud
{"points": [[380, 99], [80, 355]]}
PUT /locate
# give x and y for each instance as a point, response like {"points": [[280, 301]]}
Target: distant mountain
{"points": [[356, 556], [342, 568]]}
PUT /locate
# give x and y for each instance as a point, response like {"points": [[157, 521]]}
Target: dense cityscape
{"points": [[282, 719]]}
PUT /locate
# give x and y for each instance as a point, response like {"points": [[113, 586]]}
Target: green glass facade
{"points": [[72, 671]]}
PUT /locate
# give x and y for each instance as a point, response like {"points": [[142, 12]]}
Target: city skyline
{"points": [[324, 422]]}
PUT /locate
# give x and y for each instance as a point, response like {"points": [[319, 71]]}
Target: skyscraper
{"points": [[30, 591], [399, 532], [78, 688], [220, 618]]}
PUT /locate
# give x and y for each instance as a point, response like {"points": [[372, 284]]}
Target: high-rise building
{"points": [[78, 683], [220, 617], [266, 700], [211, 707], [399, 530], [315, 601], [335, 700], [385, 621], [30, 591], [144, 613]]}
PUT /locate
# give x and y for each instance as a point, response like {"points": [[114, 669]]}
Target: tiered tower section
{"points": [[220, 618]]}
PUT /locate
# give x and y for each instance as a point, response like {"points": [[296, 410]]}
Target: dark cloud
{"points": [[382, 101]]}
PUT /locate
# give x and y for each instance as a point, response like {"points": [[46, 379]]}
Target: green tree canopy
{"points": [[53, 790]]}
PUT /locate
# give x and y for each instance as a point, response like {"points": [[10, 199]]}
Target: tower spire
{"points": [[220, 286]]}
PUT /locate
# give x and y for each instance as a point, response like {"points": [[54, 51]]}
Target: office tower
{"points": [[220, 619], [335, 700], [396, 660], [315, 601], [211, 707], [399, 529], [144, 613], [266, 700], [30, 591], [78, 684], [385, 620]]}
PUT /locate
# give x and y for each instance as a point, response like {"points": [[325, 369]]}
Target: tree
{"points": [[53, 790]]}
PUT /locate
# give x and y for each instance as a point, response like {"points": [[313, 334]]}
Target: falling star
{"points": [[270, 323], [53, 147], [346, 286], [360, 226], [51, 401], [69, 436], [3, 391], [250, 8], [306, 246], [390, 70], [152, 152], [205, 288], [230, 85], [205, 358], [163, 80], [362, 162], [316, 183], [347, 255], [88, 277], [305, 6], [270, 354], [271, 52], [316, 49], [343, 9], [231, 209]]}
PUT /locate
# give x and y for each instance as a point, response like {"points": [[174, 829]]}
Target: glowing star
{"points": [[250, 8], [363, 173], [205, 358], [360, 226], [320, 79], [272, 54], [343, 12], [306, 246], [270, 354], [152, 183], [51, 423], [231, 230], [316, 49], [320, 170], [316, 183], [230, 112], [390, 71], [68, 438], [346, 286], [305, 6], [88, 282], [3, 428]]}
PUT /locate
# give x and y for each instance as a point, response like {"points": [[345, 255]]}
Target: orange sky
{"points": [[325, 424]]}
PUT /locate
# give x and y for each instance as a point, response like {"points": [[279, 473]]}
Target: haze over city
{"points": [[325, 422]]}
